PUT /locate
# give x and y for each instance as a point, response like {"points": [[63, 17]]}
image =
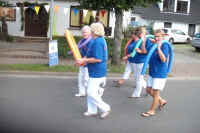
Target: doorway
{"points": [[36, 24], [191, 29]]}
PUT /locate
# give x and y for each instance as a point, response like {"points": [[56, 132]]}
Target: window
{"points": [[167, 25], [133, 19], [197, 35], [180, 32], [182, 7], [75, 17], [86, 17], [8, 13], [168, 5], [174, 31]]}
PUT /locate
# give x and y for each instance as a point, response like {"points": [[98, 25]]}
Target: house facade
{"points": [[175, 14], [35, 22]]}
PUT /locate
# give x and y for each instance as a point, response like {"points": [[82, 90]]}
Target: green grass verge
{"points": [[58, 68], [38, 68]]}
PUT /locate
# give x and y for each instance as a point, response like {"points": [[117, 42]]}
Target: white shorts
{"points": [[156, 83]]}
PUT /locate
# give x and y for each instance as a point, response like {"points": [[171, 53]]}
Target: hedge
{"points": [[63, 47]]}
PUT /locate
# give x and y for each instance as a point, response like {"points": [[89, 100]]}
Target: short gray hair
{"points": [[97, 29], [87, 28]]}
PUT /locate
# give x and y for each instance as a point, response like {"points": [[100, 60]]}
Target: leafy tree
{"points": [[118, 6]]}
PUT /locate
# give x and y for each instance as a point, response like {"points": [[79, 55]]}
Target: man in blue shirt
{"points": [[96, 60]]}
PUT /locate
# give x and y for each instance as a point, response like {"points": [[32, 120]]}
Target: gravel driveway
{"points": [[186, 61]]}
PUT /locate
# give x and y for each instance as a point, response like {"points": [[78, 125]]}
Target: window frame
{"points": [[174, 8], [182, 1], [172, 3], [70, 19]]}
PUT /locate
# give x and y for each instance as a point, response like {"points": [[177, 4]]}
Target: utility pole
{"points": [[51, 18], [53, 44]]}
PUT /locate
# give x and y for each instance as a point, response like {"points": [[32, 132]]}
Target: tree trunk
{"points": [[117, 38]]}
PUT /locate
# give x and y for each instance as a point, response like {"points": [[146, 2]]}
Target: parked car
{"points": [[196, 41], [176, 36]]}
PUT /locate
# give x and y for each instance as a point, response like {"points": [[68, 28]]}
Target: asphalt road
{"points": [[42, 104]]}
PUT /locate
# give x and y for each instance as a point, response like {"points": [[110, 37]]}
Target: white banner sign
{"points": [[53, 52]]}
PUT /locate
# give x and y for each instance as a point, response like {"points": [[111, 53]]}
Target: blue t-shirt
{"points": [[157, 68], [98, 50], [83, 50], [140, 58], [130, 50]]}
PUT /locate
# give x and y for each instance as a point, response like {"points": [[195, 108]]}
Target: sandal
{"points": [[147, 114], [117, 84], [162, 105]]}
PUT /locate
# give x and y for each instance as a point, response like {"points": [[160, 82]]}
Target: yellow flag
{"points": [[56, 8], [37, 8]]}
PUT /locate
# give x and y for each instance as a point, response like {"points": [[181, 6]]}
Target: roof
{"points": [[12, 3], [153, 13]]}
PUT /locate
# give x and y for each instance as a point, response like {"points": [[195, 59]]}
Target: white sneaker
{"points": [[89, 114], [101, 91], [133, 97], [144, 85], [105, 114], [80, 95]]}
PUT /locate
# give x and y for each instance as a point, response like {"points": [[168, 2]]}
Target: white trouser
{"points": [[94, 100], [127, 71], [140, 82], [83, 79]]}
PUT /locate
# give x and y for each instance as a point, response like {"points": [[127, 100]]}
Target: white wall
{"points": [[158, 25], [181, 26], [14, 27], [197, 30], [140, 21], [112, 22], [175, 25], [126, 20], [63, 18]]}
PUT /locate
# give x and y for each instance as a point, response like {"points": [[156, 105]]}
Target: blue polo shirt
{"points": [[83, 50], [140, 58], [98, 50], [157, 68], [130, 50]]}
